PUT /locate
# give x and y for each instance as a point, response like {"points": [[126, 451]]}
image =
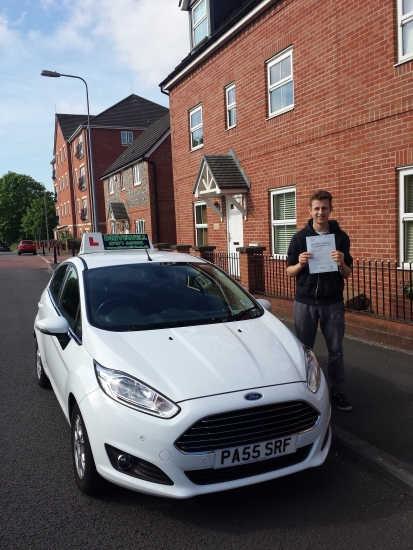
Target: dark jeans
{"points": [[332, 325]]}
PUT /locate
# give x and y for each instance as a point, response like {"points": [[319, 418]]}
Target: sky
{"points": [[118, 46]]}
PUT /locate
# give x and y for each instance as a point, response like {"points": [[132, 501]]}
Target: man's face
{"points": [[320, 211]]}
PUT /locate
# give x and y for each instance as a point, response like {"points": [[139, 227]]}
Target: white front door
{"points": [[235, 234]]}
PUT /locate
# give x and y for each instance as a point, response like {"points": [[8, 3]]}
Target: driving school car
{"points": [[175, 380]]}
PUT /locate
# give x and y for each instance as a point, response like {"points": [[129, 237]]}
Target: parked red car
{"points": [[26, 246]]}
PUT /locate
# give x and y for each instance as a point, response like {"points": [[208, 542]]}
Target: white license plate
{"points": [[235, 456]]}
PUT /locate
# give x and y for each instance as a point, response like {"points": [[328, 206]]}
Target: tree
{"points": [[35, 217], [17, 192]]}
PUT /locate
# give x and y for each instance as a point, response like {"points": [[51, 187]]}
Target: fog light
{"points": [[125, 461]]}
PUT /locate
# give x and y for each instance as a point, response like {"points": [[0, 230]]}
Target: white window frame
{"points": [[67, 181], [287, 221], [136, 174], [122, 180], [270, 88], [403, 216], [231, 106], [110, 186], [194, 26], [126, 137], [68, 208], [140, 226], [402, 20], [78, 206], [193, 129], [199, 204]]}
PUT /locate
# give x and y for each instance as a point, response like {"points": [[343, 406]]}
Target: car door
{"points": [[60, 354]]}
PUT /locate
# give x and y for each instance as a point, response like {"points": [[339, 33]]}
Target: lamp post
{"points": [[47, 224], [95, 225]]}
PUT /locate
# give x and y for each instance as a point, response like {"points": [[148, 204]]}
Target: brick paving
{"points": [[10, 260]]}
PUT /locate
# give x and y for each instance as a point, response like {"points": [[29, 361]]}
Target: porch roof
{"points": [[117, 211]]}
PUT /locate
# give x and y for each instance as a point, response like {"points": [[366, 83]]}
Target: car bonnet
{"points": [[196, 361]]}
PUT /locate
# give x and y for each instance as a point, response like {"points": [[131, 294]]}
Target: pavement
{"points": [[377, 433]]}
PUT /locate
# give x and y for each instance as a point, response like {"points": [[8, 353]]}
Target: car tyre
{"points": [[34, 253], [42, 377], [19, 253], [87, 477]]}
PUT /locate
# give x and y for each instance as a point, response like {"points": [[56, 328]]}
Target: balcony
{"points": [[56, 198], [84, 215], [57, 220], [79, 151], [82, 183], [54, 174]]}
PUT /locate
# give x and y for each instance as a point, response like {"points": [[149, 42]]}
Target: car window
{"points": [[70, 300], [56, 282], [160, 295]]}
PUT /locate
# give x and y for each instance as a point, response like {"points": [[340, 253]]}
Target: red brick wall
{"points": [[349, 129], [65, 194], [152, 200]]}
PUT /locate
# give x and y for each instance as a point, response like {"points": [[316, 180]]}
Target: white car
{"points": [[174, 379]]}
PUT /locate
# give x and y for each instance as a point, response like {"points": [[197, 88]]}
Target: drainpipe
{"points": [[155, 192]]}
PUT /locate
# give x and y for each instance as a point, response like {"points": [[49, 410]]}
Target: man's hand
{"points": [[344, 269], [294, 270], [304, 257]]}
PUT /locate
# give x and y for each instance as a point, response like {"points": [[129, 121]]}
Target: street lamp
{"points": [[54, 74]]}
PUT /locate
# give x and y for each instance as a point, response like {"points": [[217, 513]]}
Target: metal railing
{"points": [[376, 287], [82, 183], [79, 151], [84, 214], [228, 262]]}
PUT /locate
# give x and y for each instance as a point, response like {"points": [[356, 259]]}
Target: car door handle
{"points": [[40, 304]]}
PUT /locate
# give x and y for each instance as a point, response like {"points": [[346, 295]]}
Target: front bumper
{"points": [[152, 439]]}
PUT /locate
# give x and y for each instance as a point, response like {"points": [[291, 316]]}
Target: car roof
{"points": [[128, 257]]}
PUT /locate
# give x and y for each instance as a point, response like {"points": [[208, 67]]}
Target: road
{"points": [[339, 505]]}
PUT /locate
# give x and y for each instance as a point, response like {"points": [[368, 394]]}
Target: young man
{"points": [[319, 296]]}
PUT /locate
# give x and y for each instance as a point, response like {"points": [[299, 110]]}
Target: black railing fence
{"points": [[228, 262], [376, 287]]}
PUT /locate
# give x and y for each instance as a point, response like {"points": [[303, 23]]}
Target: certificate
{"points": [[321, 248]]}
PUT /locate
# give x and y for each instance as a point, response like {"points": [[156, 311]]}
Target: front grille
{"points": [[209, 475], [246, 426]]}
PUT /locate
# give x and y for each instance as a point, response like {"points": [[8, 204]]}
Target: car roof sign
{"points": [[96, 242]]}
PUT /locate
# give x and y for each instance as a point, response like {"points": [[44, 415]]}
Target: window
{"points": [[67, 181], [78, 206], [231, 106], [122, 180], [283, 218], [405, 28], [127, 138], [82, 179], [111, 191], [201, 225], [197, 133], [280, 83], [64, 152], [406, 215], [57, 281], [136, 175], [140, 226], [199, 22], [113, 228], [76, 177], [68, 208], [70, 301]]}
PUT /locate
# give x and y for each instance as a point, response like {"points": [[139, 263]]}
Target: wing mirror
{"points": [[266, 304], [55, 326]]}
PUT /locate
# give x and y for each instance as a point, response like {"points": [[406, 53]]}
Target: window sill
{"points": [[230, 128], [405, 60], [196, 148], [278, 113], [137, 184]]}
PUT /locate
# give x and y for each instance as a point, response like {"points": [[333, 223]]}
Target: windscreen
{"points": [[162, 295]]}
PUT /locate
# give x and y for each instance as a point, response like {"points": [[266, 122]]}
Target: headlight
{"points": [[313, 370], [131, 392]]}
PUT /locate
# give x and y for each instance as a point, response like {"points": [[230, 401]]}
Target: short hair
{"points": [[321, 195]]}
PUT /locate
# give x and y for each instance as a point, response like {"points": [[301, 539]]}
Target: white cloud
{"points": [[9, 39]]}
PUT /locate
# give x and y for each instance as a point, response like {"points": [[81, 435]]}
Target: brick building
{"points": [[138, 186], [287, 96], [112, 131]]}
